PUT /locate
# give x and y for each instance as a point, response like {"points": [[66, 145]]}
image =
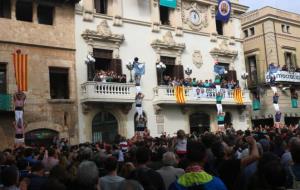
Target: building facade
{"points": [[188, 36], [44, 31], [272, 36]]}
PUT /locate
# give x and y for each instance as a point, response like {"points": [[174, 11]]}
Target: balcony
{"points": [[107, 92], [166, 95]]}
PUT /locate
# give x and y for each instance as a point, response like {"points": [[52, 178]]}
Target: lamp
{"points": [[90, 60], [188, 71], [130, 67], [245, 77], [161, 67]]}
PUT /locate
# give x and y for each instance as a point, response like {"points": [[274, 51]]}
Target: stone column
{"points": [[117, 12], [88, 10], [155, 15], [270, 43], [34, 12], [178, 19], [13, 10]]}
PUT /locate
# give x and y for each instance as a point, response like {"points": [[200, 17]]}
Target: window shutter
{"points": [[97, 5], [178, 71], [90, 71], [116, 66], [232, 75], [294, 60]]}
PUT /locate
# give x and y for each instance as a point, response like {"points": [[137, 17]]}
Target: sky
{"points": [[288, 5]]}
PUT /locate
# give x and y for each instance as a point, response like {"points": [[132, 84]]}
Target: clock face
{"points": [[195, 17]]}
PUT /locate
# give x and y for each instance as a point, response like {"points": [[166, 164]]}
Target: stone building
{"points": [[187, 36], [272, 36], [44, 31]]}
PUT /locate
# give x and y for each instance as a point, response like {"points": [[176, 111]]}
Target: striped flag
{"points": [[21, 74], [180, 94], [238, 96]]}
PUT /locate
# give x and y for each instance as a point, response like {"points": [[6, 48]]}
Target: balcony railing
{"points": [[166, 95], [107, 92]]}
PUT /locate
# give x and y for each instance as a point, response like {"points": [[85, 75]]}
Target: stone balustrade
{"points": [[107, 92], [166, 95]]}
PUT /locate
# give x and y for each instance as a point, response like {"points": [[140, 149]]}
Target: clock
{"points": [[195, 17]]}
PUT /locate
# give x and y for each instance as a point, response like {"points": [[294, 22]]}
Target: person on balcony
{"points": [[284, 68], [275, 102], [219, 98], [19, 102], [206, 84], [138, 104]]}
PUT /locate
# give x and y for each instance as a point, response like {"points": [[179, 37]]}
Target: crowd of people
{"points": [[193, 82], [266, 158], [109, 76]]}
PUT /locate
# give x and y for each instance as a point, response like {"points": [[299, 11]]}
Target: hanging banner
{"points": [[284, 76], [224, 9], [168, 3], [21, 74]]}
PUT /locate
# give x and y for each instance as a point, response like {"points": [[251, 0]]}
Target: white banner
{"points": [[284, 76]]}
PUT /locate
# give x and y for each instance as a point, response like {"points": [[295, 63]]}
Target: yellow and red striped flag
{"points": [[238, 96], [180, 94], [21, 74]]}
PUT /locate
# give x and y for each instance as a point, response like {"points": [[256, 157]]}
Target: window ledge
{"points": [[61, 101]]}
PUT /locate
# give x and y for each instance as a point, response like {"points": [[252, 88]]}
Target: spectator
{"points": [[87, 176], [37, 178], [195, 177], [168, 172], [111, 181], [10, 178], [294, 170], [50, 159], [145, 175]]}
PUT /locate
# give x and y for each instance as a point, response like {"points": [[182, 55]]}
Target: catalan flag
{"points": [[21, 74], [238, 96], [180, 94]]}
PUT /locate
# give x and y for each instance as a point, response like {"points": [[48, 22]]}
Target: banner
{"points": [[224, 9], [180, 94], [238, 96], [168, 3], [20, 66], [284, 76]]}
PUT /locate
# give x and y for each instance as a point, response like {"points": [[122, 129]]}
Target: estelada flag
{"points": [[20, 65], [238, 96], [180, 94]]}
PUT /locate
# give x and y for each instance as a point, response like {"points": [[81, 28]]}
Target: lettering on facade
{"points": [[284, 76]]}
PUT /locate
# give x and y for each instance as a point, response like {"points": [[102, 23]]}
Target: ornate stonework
{"points": [[200, 10], [168, 47], [223, 53], [103, 38], [197, 58]]}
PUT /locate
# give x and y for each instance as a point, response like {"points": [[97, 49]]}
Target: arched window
{"points": [[41, 137]]}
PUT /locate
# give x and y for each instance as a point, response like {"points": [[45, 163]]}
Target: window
{"points": [[24, 10], [5, 9], [45, 14], [219, 26], [101, 6], [252, 70], [164, 15], [246, 33], [252, 31], [285, 28], [288, 59], [59, 83], [172, 71], [2, 78]]}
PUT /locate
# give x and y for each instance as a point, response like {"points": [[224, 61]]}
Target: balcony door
{"points": [[199, 123], [104, 127]]}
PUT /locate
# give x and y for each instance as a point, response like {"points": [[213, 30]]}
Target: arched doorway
{"points": [[40, 137], [199, 123], [104, 127]]}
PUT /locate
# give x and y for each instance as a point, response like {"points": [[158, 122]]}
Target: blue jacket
{"points": [[198, 180]]}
